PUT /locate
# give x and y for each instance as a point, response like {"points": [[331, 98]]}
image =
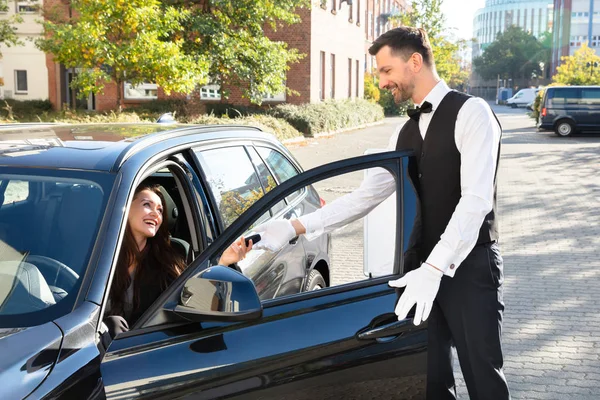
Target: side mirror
{"points": [[219, 294]]}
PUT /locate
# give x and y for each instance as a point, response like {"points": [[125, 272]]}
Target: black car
{"points": [[254, 330], [570, 109]]}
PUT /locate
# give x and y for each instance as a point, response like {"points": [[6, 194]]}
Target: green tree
{"points": [[8, 31], [582, 68], [231, 35], [514, 54], [118, 41], [427, 14]]}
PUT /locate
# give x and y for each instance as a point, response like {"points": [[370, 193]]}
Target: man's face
{"points": [[395, 74]]}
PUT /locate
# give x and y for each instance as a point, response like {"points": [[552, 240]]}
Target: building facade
{"points": [[533, 16], [576, 22], [333, 35], [23, 68]]}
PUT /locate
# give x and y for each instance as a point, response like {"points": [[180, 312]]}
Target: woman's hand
{"points": [[235, 252]]}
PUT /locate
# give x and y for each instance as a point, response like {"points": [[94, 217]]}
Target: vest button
{"points": [[420, 175], [422, 154]]}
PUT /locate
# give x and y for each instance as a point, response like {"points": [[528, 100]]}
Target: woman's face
{"points": [[145, 215]]}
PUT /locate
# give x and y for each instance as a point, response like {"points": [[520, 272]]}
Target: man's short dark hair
{"points": [[405, 41]]}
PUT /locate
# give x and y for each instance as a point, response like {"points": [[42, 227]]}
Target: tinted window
{"points": [[281, 167], [48, 226], [232, 179], [590, 96], [267, 180], [563, 96]]}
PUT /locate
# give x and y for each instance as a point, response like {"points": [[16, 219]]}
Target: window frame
{"points": [[17, 82], [152, 86]]}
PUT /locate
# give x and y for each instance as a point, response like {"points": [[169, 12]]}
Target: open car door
{"points": [[209, 336]]}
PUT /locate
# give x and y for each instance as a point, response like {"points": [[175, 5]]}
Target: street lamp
{"points": [[591, 66]]}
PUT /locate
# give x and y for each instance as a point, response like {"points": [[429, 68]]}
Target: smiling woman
{"points": [[148, 263]]}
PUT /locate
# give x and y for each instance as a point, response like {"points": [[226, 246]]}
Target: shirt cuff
{"points": [[313, 224], [442, 258]]}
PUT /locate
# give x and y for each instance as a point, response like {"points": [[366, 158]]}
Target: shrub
{"points": [[278, 127], [24, 109], [329, 115]]}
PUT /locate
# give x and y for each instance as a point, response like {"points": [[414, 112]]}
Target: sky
{"points": [[459, 15]]}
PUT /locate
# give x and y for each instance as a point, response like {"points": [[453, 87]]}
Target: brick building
{"points": [[333, 35]]}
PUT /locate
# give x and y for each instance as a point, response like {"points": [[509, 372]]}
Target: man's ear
{"points": [[416, 62]]}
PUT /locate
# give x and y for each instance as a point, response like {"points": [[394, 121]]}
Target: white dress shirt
{"points": [[477, 137]]}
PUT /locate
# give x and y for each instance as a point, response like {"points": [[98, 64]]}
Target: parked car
{"points": [[522, 98], [253, 330], [570, 109]]}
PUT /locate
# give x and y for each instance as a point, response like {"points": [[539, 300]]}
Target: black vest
{"points": [[435, 173]]}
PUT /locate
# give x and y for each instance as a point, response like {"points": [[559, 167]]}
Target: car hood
{"points": [[28, 355]]}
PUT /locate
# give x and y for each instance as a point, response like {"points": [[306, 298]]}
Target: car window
{"points": [[48, 226], [281, 167], [232, 180], [563, 96], [16, 191], [267, 180], [590, 96], [351, 253]]}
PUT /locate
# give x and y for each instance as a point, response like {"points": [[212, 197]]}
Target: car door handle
{"points": [[395, 328], [294, 240]]}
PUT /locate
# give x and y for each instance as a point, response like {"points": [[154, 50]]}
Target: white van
{"points": [[522, 98]]}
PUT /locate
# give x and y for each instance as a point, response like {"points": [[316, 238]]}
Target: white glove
{"points": [[274, 234], [422, 286]]}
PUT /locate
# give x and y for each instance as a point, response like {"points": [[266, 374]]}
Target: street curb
{"points": [[303, 139]]}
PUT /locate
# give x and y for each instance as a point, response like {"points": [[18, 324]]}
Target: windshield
{"points": [[48, 226]]}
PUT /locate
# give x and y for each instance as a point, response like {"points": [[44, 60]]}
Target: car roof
{"points": [[102, 147]]}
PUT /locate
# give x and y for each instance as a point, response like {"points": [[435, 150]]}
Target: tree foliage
{"points": [[427, 14], [582, 68], [231, 34], [8, 30], [123, 40], [514, 54]]}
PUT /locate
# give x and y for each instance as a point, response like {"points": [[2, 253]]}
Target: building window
{"points": [[3, 6], [357, 78], [358, 12], [322, 78], [333, 6], [143, 91], [324, 4], [275, 97], [349, 78], [21, 81], [332, 91], [26, 7], [212, 91]]}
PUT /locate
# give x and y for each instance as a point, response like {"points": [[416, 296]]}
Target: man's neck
{"points": [[425, 87]]}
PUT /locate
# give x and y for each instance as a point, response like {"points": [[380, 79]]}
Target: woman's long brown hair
{"points": [[158, 262]]}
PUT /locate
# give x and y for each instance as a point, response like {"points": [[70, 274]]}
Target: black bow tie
{"points": [[415, 113]]}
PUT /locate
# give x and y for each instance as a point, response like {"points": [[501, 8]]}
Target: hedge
{"points": [[328, 116]]}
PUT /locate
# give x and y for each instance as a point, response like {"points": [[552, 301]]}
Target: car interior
{"points": [[47, 239]]}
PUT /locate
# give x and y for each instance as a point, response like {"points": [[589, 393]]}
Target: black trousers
{"points": [[467, 314]]}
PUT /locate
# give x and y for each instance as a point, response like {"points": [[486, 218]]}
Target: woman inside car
{"points": [[147, 263]]}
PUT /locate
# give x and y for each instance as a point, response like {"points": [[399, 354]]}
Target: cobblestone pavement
{"points": [[549, 209]]}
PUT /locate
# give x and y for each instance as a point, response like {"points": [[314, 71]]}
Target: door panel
{"points": [[311, 353]]}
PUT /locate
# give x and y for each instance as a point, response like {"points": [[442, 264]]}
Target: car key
{"points": [[255, 239]]}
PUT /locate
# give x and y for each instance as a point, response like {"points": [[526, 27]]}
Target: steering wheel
{"points": [[49, 267]]}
